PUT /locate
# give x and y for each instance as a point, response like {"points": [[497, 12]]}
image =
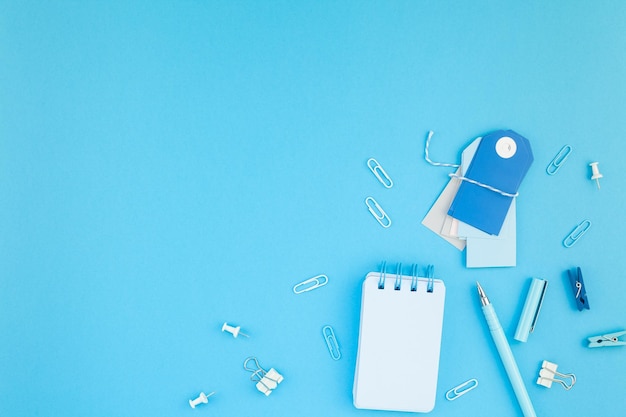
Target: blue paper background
{"points": [[168, 166]]}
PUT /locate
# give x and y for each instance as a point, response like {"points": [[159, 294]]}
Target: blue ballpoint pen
{"points": [[506, 355]]}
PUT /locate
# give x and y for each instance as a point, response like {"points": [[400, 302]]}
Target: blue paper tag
{"points": [[501, 161]]}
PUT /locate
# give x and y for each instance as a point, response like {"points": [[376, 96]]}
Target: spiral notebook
{"points": [[399, 342]]}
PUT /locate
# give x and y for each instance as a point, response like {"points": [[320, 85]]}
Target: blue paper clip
{"points": [[331, 342], [461, 389], [379, 172], [558, 160], [310, 284], [607, 340], [577, 233], [377, 211], [578, 286]]}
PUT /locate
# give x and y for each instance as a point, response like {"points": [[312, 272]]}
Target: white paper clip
{"points": [[461, 389], [558, 160], [547, 376], [202, 399], [310, 284], [379, 172], [266, 381], [377, 211], [331, 342], [576, 233]]}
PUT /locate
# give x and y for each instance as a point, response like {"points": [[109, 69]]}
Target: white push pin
{"points": [[595, 173], [235, 331], [202, 399]]}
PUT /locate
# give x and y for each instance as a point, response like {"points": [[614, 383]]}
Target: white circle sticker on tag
{"points": [[506, 147]]}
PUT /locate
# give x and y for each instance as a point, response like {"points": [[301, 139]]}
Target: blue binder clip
{"points": [[606, 340], [578, 286]]}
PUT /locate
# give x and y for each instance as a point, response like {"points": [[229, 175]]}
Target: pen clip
{"points": [[541, 297]]}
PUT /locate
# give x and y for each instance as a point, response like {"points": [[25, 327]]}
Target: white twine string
{"points": [[460, 177], [480, 184], [438, 164]]}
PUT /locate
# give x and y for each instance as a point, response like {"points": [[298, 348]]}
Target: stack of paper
{"points": [[479, 215]]}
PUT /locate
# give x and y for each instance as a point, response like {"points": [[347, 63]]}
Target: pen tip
{"points": [[481, 293]]}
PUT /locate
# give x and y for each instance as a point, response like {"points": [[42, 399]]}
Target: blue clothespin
{"points": [[606, 340], [578, 286]]}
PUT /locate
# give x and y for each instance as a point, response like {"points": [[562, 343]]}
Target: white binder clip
{"points": [[548, 373], [266, 381]]}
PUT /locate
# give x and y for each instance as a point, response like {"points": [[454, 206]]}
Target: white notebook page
{"points": [[399, 343]]}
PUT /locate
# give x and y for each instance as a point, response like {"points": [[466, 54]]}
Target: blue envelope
{"points": [[501, 161]]}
